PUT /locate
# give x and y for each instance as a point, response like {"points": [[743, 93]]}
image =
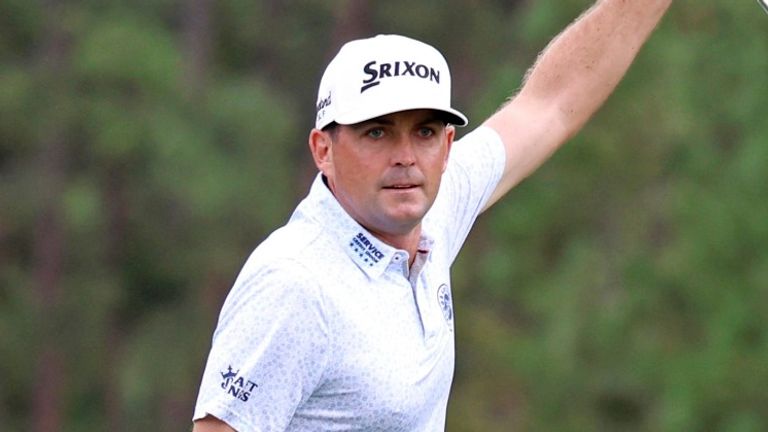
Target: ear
{"points": [[450, 134], [320, 146]]}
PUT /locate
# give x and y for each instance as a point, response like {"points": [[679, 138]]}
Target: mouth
{"points": [[406, 186]]}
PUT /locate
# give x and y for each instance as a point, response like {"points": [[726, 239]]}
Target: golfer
{"points": [[343, 318]]}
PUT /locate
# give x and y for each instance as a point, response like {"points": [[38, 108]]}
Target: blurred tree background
{"points": [[147, 146]]}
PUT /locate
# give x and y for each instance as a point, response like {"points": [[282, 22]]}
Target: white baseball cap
{"points": [[381, 75]]}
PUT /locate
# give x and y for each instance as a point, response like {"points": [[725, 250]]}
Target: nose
{"points": [[403, 152]]}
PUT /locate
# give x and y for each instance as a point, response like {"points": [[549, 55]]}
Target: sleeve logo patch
{"points": [[237, 386]]}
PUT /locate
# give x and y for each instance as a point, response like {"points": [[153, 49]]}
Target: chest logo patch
{"points": [[444, 300], [365, 249]]}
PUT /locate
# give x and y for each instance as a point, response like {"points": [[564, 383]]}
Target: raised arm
{"points": [[570, 80]]}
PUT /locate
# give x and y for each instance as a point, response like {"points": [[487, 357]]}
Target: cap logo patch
{"points": [[324, 102], [378, 71]]}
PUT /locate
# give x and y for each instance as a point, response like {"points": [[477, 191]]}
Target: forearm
{"points": [[569, 81], [582, 66]]}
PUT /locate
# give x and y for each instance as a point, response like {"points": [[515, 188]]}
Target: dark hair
{"points": [[332, 129]]}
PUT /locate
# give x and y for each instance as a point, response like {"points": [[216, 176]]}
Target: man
{"points": [[342, 319]]}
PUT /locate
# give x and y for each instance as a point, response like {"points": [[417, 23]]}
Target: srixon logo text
{"points": [[378, 71], [237, 386]]}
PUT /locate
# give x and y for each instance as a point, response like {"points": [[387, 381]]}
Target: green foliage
{"points": [[637, 259], [622, 287]]}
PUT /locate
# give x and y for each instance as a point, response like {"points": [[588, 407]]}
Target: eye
{"points": [[426, 132], [375, 133]]}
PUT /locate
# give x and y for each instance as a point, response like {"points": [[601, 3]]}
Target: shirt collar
{"points": [[370, 254]]}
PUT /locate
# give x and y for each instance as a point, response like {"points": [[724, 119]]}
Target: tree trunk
{"points": [[116, 209], [352, 21], [49, 236], [196, 17], [48, 252]]}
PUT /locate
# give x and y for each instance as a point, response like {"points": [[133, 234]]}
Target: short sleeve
{"points": [[269, 350], [475, 167]]}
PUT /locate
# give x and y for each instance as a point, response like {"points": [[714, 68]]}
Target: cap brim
{"points": [[450, 115]]}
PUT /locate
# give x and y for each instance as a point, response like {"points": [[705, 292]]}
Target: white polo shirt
{"points": [[326, 327]]}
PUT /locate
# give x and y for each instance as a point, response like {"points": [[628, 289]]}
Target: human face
{"points": [[386, 172]]}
